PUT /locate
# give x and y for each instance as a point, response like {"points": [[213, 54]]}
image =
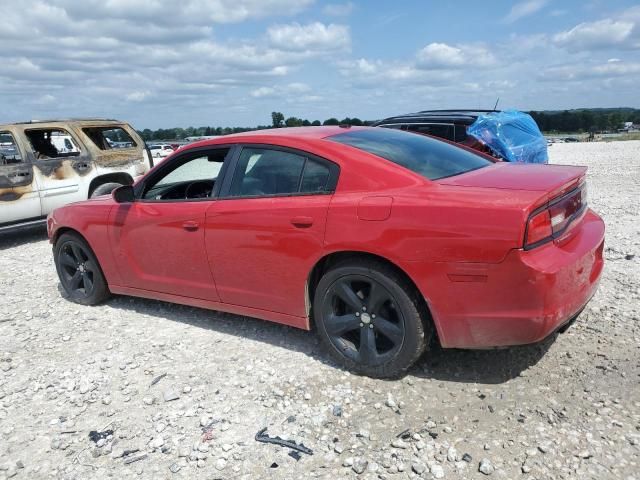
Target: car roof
{"points": [[303, 133], [77, 121], [464, 116]]}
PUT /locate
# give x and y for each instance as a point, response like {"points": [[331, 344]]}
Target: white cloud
{"points": [[138, 96], [263, 92], [444, 56], [313, 36], [338, 9], [524, 9], [596, 35]]}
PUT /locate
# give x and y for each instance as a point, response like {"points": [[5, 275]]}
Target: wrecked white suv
{"points": [[44, 165]]}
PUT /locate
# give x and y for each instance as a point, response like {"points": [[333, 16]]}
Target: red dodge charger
{"points": [[381, 239]]}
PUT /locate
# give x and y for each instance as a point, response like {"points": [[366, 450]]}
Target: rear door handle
{"points": [[191, 226], [302, 222]]}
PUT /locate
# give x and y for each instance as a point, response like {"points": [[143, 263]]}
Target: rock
{"points": [[437, 471], [204, 420], [157, 442], [391, 402], [486, 467], [418, 467], [186, 389], [467, 458], [337, 410], [452, 454], [170, 395], [347, 462], [175, 467], [220, 464], [359, 465], [106, 400], [184, 451], [399, 443]]}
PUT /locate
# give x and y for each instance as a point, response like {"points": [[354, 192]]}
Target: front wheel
{"points": [[79, 271], [370, 319]]}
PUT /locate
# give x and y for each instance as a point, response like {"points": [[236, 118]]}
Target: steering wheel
{"points": [[198, 189]]}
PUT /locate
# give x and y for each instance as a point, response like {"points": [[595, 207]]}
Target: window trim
{"points": [[23, 158], [332, 181], [176, 162], [82, 149], [136, 145]]}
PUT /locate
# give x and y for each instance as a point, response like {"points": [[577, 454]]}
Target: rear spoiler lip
{"points": [[556, 194]]}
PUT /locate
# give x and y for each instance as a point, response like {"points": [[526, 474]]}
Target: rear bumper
{"points": [[523, 299]]}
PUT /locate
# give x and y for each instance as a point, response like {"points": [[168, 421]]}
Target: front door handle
{"points": [[302, 222], [191, 226]]}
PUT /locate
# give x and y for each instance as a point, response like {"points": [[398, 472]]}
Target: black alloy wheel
{"points": [[79, 271], [362, 320], [371, 318]]}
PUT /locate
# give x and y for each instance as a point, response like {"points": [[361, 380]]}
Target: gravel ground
{"points": [[187, 389]]}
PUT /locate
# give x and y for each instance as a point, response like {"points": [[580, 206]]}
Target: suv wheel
{"points": [[370, 318], [79, 271]]}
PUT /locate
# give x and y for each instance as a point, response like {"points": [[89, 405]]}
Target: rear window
{"points": [[431, 158], [106, 138]]}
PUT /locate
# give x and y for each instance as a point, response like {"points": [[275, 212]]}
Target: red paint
{"points": [[459, 239]]}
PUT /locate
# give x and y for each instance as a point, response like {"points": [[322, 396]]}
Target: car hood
{"points": [[518, 176]]}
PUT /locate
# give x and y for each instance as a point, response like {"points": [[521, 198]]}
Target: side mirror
{"points": [[123, 194]]}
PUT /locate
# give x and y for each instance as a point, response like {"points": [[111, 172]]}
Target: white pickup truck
{"points": [[44, 165]]}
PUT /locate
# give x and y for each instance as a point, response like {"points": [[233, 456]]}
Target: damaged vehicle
{"points": [[379, 239], [47, 164], [508, 135]]}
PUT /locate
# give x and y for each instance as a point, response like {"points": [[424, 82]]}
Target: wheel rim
{"points": [[77, 271], [362, 320]]}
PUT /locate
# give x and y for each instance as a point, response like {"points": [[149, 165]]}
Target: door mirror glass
{"points": [[123, 194]]}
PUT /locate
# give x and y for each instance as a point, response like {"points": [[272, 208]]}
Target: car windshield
{"points": [[426, 156]]}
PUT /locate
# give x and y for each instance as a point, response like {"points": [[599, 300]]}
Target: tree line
{"points": [[582, 120]]}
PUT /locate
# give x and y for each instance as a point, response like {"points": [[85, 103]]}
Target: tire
{"points": [[355, 294], [79, 271], [104, 189]]}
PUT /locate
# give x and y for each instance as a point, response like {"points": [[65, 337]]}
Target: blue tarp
{"points": [[512, 135]]}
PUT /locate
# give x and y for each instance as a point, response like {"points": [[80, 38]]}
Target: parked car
{"points": [[161, 150], [381, 239], [509, 135], [44, 165]]}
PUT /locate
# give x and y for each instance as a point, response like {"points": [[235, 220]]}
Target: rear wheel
{"points": [[79, 271], [370, 318]]}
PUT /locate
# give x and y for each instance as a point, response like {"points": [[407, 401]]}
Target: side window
{"points": [[443, 131], [106, 138], [192, 179], [52, 143], [263, 171], [315, 177], [9, 152]]}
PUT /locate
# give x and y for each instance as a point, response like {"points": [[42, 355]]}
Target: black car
{"points": [[448, 124]]}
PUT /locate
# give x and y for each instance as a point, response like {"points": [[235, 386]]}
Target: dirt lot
{"points": [[567, 408]]}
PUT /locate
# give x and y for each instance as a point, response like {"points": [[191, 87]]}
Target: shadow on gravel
{"points": [[480, 366], [466, 366], [22, 236]]}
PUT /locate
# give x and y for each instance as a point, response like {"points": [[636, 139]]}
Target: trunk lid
{"points": [[551, 179]]}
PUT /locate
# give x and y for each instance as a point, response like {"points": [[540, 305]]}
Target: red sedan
{"points": [[379, 238]]}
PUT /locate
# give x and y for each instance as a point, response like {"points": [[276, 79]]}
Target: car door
{"points": [[62, 175], [158, 240], [19, 199], [266, 231]]}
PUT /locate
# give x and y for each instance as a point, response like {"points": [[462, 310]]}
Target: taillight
{"points": [[538, 228], [549, 223]]}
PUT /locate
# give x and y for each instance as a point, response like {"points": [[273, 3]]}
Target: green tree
{"points": [[277, 119], [331, 121], [316, 123], [293, 122]]}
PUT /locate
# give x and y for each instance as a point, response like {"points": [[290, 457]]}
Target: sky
{"points": [[161, 64]]}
